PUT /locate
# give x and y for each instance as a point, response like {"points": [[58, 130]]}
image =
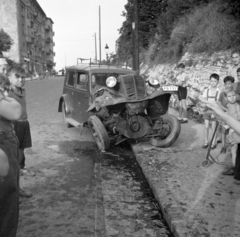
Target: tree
{"points": [[6, 41], [148, 12]]}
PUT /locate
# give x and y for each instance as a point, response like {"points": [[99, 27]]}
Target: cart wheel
{"points": [[206, 163]]}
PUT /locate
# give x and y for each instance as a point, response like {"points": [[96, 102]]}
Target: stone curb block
{"points": [[170, 209]]}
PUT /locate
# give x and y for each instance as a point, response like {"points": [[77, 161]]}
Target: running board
{"points": [[73, 122]]}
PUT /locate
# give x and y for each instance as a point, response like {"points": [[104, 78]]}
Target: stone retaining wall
{"points": [[198, 68]]}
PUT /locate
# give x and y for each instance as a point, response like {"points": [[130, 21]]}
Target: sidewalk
{"points": [[195, 200]]}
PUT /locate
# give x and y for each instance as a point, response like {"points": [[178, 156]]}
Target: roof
{"points": [[100, 68]]}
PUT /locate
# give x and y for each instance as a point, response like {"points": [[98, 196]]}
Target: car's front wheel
{"points": [[99, 132], [172, 129]]}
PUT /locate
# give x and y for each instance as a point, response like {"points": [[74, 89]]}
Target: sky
{"points": [[76, 22]]}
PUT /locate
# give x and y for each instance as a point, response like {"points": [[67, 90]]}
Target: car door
{"points": [[69, 92], [82, 98]]}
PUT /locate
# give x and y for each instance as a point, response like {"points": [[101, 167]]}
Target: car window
{"points": [[70, 78], [82, 81]]}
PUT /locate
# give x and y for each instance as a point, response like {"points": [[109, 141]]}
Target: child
{"points": [[10, 110], [210, 94], [3, 65], [233, 109], [228, 85], [182, 93], [16, 75]]}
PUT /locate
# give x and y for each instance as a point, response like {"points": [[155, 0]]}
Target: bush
{"points": [[208, 28]]}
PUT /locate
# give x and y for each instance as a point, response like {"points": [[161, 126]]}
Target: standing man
{"points": [[10, 110], [234, 71]]}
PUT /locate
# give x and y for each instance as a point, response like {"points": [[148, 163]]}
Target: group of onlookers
{"points": [[228, 101], [15, 136]]}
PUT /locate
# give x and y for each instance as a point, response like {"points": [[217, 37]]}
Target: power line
{"points": [[80, 39]]}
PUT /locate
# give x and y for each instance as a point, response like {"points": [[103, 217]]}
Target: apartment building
{"points": [[32, 33]]}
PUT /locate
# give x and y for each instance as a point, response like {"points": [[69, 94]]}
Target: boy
{"points": [[210, 94], [16, 75], [3, 65], [182, 93], [228, 85], [233, 109]]}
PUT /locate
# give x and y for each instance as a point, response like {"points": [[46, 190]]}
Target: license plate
{"points": [[170, 88]]}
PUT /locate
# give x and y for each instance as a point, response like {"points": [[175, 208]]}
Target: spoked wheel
{"points": [[64, 115], [174, 131], [99, 132]]}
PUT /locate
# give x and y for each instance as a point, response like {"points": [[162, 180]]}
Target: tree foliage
{"points": [[171, 27], [148, 12], [6, 41]]}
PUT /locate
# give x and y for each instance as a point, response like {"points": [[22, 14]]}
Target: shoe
{"points": [[25, 194], [26, 172], [229, 172], [179, 119], [223, 150], [205, 146], [214, 147]]}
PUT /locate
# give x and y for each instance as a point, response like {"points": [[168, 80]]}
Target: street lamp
{"points": [[107, 51]]}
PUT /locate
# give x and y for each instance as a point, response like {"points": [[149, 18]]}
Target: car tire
{"points": [[99, 133], [172, 137], [64, 115]]}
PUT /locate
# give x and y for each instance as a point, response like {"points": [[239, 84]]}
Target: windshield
{"points": [[99, 79]]}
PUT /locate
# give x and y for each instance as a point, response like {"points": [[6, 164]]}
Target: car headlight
{"points": [[153, 81], [111, 81]]}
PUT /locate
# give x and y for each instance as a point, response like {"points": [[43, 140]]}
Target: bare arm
{"points": [[232, 122], [238, 111], [222, 107], [10, 108]]}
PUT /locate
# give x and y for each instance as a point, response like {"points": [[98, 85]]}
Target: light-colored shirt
{"points": [[182, 80], [20, 97], [211, 94]]}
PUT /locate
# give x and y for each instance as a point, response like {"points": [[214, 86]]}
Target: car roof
{"points": [[101, 68]]}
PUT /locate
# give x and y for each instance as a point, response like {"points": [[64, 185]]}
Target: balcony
{"points": [[28, 39], [53, 33], [48, 40], [50, 63], [47, 27]]}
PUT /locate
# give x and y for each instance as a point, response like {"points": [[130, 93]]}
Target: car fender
{"points": [[64, 98]]}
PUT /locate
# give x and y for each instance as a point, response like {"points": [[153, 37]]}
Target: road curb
{"points": [[172, 212]]}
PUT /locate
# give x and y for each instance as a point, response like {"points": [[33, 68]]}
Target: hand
{"points": [[234, 138], [212, 105]]}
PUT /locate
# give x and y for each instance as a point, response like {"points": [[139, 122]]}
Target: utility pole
{"points": [[135, 37], [95, 47], [100, 57]]}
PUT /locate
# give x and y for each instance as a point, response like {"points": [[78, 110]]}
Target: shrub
{"points": [[207, 28]]}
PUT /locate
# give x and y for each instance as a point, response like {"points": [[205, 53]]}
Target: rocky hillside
{"points": [[198, 68]]}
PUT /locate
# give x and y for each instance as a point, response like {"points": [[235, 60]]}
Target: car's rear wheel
{"points": [[174, 129], [64, 115], [99, 132]]}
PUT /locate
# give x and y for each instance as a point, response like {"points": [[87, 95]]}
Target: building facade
{"points": [[32, 33]]}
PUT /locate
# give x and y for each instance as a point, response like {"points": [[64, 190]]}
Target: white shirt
{"points": [[210, 94]]}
